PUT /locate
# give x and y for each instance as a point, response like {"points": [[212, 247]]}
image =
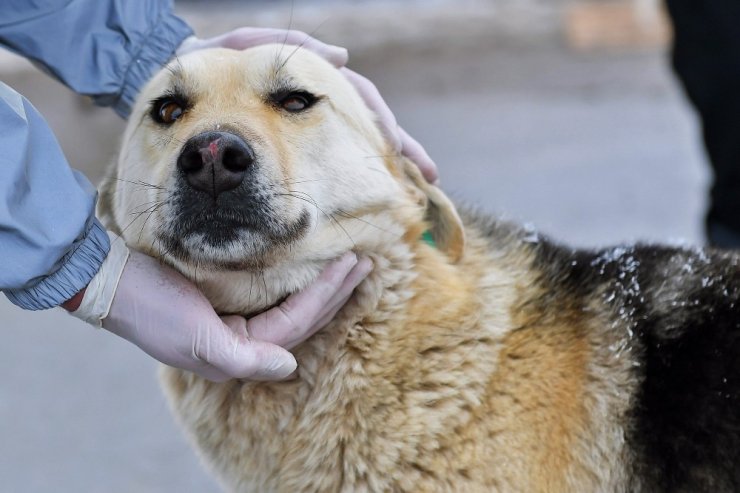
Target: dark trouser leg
{"points": [[706, 57]]}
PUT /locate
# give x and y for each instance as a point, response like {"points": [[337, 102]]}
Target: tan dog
{"points": [[491, 361]]}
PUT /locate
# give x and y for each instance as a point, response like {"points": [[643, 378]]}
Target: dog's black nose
{"points": [[215, 162]]}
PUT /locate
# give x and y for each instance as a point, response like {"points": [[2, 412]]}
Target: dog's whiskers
{"points": [[165, 140], [333, 220], [377, 170], [287, 32], [150, 210], [264, 283], [382, 156], [145, 207], [141, 184], [347, 215], [168, 251], [300, 195], [287, 59], [251, 286], [306, 198], [290, 183], [148, 217]]}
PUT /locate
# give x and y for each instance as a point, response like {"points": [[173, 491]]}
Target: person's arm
{"points": [[50, 242], [103, 49]]}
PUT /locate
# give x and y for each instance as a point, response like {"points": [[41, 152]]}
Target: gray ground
{"points": [[591, 148]]}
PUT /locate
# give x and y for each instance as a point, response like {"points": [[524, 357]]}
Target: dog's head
{"points": [[240, 160]]}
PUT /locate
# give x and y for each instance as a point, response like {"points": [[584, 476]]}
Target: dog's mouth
{"points": [[242, 230], [229, 243]]}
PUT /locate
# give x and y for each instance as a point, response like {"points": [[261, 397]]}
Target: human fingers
{"points": [[293, 319], [344, 293], [411, 148], [400, 140], [370, 94], [234, 353], [248, 37]]}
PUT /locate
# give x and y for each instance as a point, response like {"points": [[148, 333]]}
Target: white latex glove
{"points": [[163, 313], [247, 37]]}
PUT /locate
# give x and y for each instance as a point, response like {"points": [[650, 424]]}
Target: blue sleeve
{"points": [[106, 49], [51, 245]]}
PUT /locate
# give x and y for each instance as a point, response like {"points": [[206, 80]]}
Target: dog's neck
{"points": [[248, 293], [388, 288], [413, 293], [390, 243]]}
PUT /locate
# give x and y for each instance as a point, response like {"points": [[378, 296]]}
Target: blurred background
{"points": [[559, 113]]}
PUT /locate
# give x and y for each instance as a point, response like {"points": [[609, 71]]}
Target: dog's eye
{"points": [[167, 110], [296, 102]]}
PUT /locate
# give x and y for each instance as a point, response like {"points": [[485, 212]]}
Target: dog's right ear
{"points": [[446, 226]]}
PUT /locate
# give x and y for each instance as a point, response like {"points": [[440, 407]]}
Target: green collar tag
{"points": [[427, 238]]}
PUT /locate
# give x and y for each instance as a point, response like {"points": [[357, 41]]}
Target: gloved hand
{"points": [[247, 37], [153, 306]]}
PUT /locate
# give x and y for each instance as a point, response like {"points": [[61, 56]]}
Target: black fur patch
{"points": [[682, 311], [686, 418]]}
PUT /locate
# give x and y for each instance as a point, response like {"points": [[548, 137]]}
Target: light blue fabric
{"points": [[51, 244], [106, 49]]}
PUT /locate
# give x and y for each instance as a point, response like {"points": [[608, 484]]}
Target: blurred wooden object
{"points": [[616, 25]]}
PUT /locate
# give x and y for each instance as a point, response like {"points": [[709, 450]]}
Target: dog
{"points": [[477, 356]]}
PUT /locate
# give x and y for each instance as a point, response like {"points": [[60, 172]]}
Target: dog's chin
{"points": [[232, 246], [221, 252]]}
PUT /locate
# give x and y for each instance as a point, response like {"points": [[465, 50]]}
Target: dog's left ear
{"points": [[446, 225]]}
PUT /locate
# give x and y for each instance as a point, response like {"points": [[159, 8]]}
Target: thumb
{"points": [[232, 351]]}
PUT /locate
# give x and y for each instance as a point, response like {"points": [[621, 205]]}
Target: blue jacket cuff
{"points": [[78, 268], [158, 48]]}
